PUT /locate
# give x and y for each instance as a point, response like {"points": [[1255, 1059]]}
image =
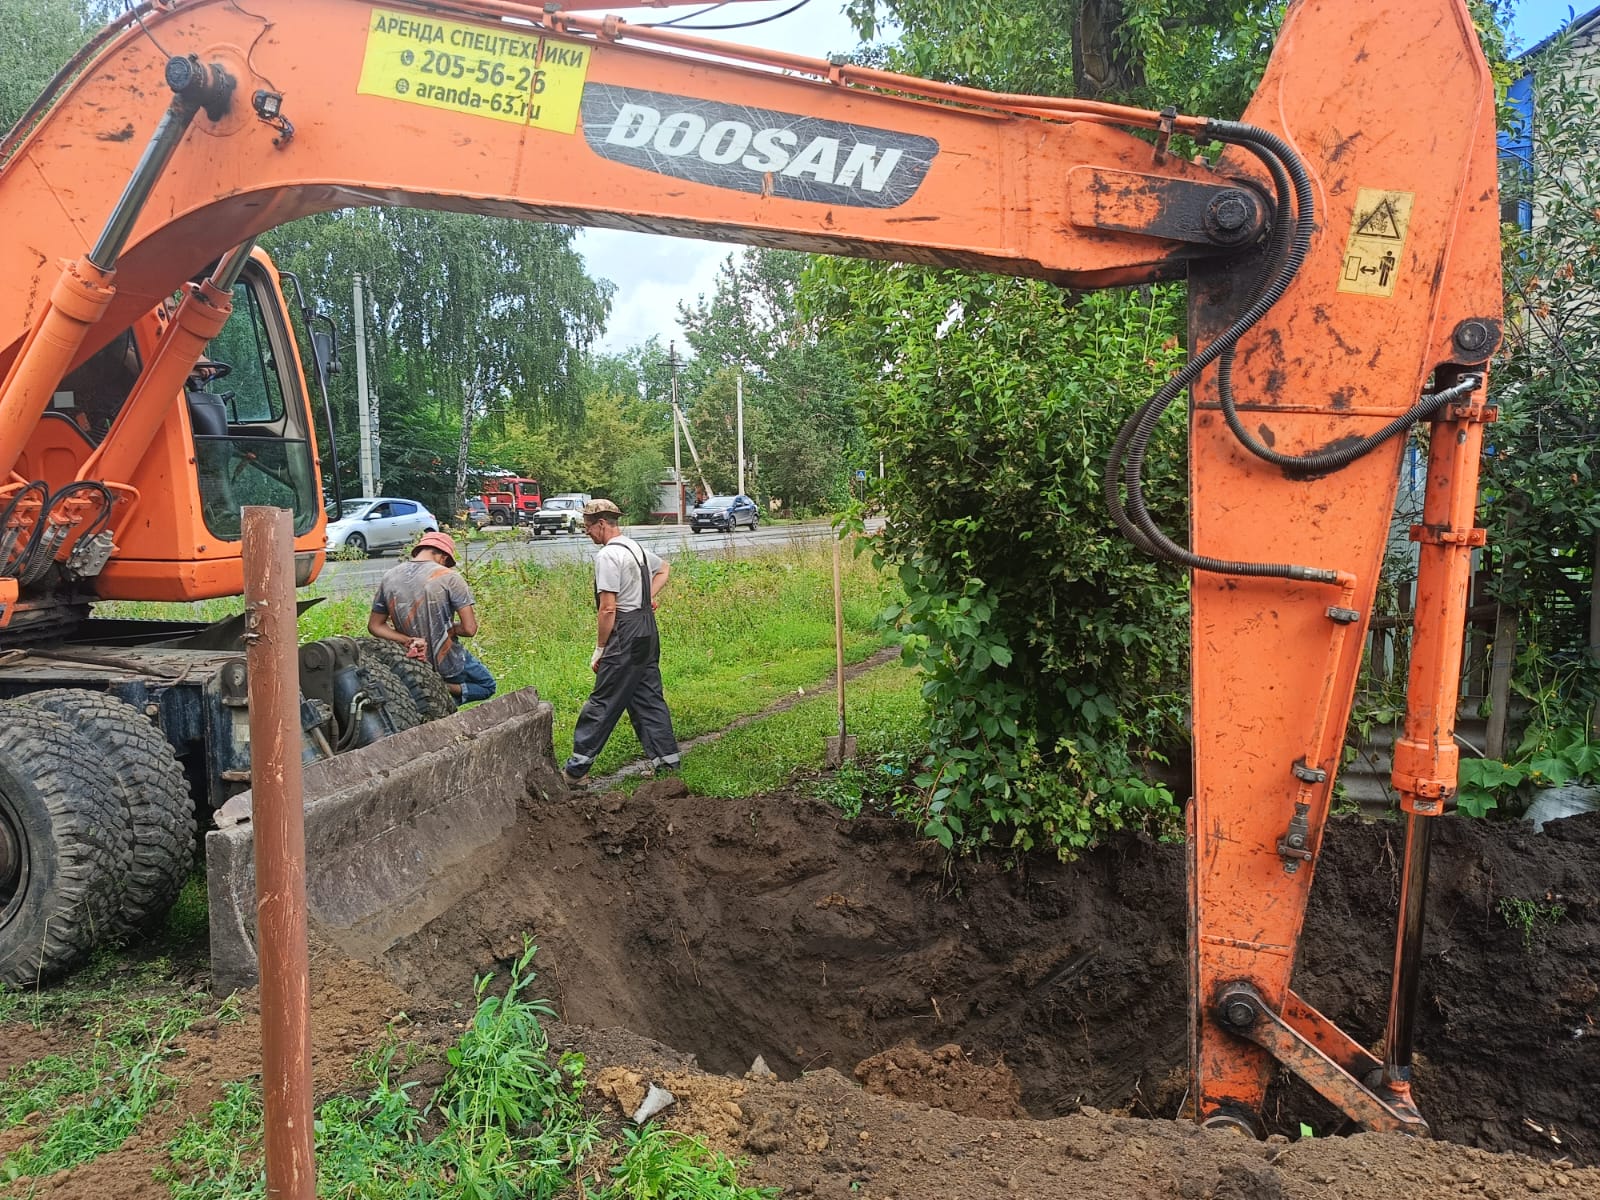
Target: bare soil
{"points": [[970, 1031]]}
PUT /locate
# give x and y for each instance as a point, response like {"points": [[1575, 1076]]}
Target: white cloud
{"points": [[654, 273]]}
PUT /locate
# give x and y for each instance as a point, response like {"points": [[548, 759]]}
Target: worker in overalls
{"points": [[627, 654]]}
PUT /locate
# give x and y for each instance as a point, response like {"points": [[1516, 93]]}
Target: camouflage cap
{"points": [[600, 508]]}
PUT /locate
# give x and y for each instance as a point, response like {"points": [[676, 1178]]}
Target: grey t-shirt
{"points": [[421, 599], [616, 569]]}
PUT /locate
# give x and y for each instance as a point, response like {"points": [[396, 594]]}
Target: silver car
{"points": [[375, 523]]}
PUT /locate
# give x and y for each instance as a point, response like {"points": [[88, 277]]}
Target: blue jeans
{"points": [[474, 678]]}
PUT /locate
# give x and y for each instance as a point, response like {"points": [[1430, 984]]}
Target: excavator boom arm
{"points": [[429, 107]]}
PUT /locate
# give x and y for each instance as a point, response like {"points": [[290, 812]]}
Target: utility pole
{"points": [[363, 410], [738, 407], [677, 447], [683, 423]]}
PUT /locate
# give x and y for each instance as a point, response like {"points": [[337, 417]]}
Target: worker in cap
{"points": [[426, 606], [627, 653]]}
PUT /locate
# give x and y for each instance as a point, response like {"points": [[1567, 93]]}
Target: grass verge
{"points": [[884, 710], [737, 634]]}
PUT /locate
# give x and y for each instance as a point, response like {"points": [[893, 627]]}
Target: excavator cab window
{"points": [[93, 394], [252, 443]]}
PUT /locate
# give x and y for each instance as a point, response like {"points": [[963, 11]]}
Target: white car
{"points": [[375, 523], [560, 514]]}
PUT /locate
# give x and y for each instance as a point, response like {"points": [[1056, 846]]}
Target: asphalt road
{"points": [[343, 578]]}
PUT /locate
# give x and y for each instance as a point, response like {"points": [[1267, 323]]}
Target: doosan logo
{"points": [[753, 150], [770, 149]]}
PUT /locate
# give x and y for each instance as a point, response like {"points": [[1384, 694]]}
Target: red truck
{"points": [[511, 501]]}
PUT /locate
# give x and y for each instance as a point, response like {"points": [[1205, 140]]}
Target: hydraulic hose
{"points": [[1336, 459], [9, 569], [1287, 252], [41, 553]]}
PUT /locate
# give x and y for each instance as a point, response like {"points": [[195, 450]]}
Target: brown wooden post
{"points": [[1502, 663], [272, 656]]}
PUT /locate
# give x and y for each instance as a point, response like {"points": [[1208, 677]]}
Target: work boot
{"points": [[574, 781]]}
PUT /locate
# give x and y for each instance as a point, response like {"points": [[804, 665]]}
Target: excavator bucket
{"points": [[396, 832]]}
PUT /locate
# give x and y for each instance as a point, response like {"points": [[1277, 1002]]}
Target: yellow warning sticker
{"points": [[494, 71], [1377, 237]]}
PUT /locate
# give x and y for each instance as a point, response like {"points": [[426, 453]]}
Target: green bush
{"points": [[1054, 651]]}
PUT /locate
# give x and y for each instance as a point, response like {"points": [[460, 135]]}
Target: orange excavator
{"points": [[1342, 255]]}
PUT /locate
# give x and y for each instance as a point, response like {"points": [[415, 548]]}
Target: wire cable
{"points": [[701, 12], [132, 8], [794, 8]]}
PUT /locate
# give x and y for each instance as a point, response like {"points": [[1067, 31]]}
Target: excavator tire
{"points": [[428, 690], [154, 792], [384, 686], [64, 846]]}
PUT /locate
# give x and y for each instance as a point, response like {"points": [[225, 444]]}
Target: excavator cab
{"points": [[249, 419], [242, 433]]}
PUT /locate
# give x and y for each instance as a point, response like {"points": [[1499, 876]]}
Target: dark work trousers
{"points": [[628, 679]]}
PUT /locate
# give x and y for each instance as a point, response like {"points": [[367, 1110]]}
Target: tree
{"points": [[1055, 652], [37, 37], [1202, 56], [1542, 470], [801, 421], [476, 318], [624, 435]]}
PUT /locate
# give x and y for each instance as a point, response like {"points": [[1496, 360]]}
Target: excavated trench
{"points": [[773, 927]]}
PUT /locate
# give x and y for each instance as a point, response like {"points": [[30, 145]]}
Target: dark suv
{"points": [[724, 512]]}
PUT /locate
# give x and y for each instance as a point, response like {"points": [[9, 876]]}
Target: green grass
{"points": [[662, 1164], [884, 710], [97, 1096], [110, 989], [507, 1123], [736, 633], [220, 1156]]}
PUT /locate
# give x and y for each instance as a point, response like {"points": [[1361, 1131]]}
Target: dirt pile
{"points": [[770, 927], [973, 1031]]}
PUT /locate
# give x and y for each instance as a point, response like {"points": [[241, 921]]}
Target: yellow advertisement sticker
{"points": [[1377, 238], [494, 71]]}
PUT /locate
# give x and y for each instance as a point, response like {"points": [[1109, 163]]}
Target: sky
{"points": [[653, 273]]}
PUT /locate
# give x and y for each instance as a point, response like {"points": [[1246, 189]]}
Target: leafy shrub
{"points": [[1054, 651], [1541, 470], [1546, 757]]}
